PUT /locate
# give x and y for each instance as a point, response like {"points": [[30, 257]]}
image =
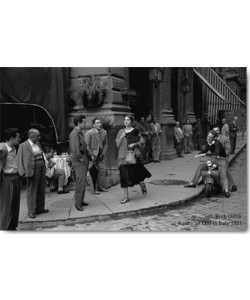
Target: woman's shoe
{"points": [[143, 188], [124, 200]]}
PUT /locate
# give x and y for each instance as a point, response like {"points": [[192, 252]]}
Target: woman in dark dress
{"points": [[130, 175]]}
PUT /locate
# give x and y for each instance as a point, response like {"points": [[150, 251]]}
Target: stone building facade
{"points": [[135, 91]]}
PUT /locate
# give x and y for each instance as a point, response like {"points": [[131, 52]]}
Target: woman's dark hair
{"points": [[10, 133], [130, 117], [78, 119]]}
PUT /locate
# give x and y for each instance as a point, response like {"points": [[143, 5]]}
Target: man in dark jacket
{"points": [[9, 181], [214, 147], [79, 160], [233, 128]]}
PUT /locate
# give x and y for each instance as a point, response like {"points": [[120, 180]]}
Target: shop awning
{"points": [[43, 87]]}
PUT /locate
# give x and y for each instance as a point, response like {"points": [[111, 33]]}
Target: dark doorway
{"points": [[197, 97], [139, 81]]}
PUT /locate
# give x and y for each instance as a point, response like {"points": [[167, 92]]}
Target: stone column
{"points": [[190, 96], [114, 108], [167, 118]]}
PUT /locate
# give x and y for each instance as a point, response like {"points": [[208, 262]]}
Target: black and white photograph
{"points": [[124, 149]]}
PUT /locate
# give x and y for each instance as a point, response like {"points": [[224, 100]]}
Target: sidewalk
{"points": [[174, 172]]}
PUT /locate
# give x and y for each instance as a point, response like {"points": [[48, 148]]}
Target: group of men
{"points": [[188, 134], [151, 131], [87, 150], [28, 163], [183, 137], [33, 164], [219, 145]]}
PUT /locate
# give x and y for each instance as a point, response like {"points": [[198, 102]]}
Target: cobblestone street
{"points": [[206, 215]]}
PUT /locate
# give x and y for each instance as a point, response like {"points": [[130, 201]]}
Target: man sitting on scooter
{"points": [[215, 148]]}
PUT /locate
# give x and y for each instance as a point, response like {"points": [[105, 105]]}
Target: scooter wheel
{"points": [[208, 190]]}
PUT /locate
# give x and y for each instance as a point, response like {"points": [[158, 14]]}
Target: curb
{"points": [[70, 222]]}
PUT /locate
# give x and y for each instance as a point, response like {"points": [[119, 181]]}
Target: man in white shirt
{"points": [[178, 138], [9, 181], [225, 128], [188, 133], [31, 165], [155, 139]]}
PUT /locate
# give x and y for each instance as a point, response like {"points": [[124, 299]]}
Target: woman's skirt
{"points": [[131, 175]]}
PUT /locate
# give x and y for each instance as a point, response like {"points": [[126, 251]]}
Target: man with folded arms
{"points": [[9, 181], [31, 165]]}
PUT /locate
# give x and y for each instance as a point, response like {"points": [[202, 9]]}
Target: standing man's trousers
{"points": [[81, 176], [9, 202], [36, 189]]}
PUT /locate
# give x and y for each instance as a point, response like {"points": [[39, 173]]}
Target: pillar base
{"points": [[168, 155], [192, 117]]}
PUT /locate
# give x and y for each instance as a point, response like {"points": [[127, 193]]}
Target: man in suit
{"points": [[79, 160], [188, 132], [197, 132], [31, 165], [97, 145], [155, 139], [226, 145], [145, 131], [9, 181], [178, 139], [233, 128], [225, 128]]}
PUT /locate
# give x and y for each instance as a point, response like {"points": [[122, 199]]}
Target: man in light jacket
{"points": [[31, 165], [97, 145], [188, 133], [155, 139]]}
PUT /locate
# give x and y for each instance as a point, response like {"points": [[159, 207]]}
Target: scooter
{"points": [[211, 178]]}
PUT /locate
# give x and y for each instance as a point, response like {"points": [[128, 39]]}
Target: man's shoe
{"points": [[62, 192], [234, 188], [103, 190], [95, 193], [79, 207], [226, 194], [85, 204], [32, 216], [190, 185], [42, 211], [200, 183]]}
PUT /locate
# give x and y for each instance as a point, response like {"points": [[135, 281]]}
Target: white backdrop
{"points": [[124, 266]]}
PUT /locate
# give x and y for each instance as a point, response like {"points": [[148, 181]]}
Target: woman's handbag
{"points": [[130, 158]]}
